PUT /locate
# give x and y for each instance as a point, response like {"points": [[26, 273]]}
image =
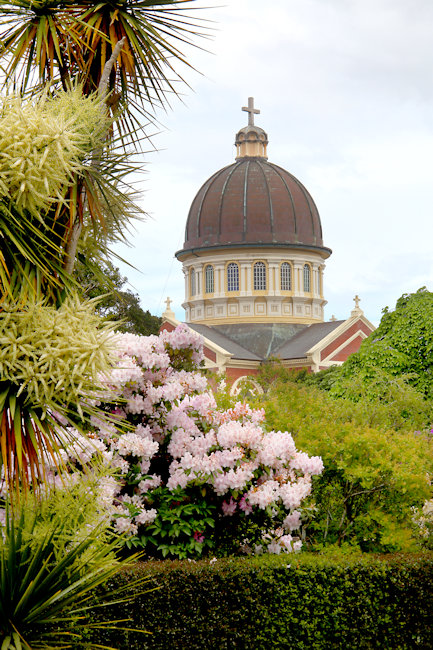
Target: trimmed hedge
{"points": [[303, 601]]}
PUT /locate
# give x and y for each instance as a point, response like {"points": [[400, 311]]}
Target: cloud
{"points": [[344, 93]]}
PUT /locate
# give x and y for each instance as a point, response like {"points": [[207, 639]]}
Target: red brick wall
{"points": [[234, 373], [168, 327], [354, 329], [350, 348], [209, 354]]}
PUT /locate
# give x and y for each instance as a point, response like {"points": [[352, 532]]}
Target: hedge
{"points": [[303, 601]]}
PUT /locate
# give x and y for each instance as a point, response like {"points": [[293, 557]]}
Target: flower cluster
{"points": [[185, 458], [422, 519]]}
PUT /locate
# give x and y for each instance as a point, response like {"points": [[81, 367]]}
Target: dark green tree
{"points": [[116, 303]]}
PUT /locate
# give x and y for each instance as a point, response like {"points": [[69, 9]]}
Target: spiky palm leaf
{"points": [[64, 41], [44, 598]]}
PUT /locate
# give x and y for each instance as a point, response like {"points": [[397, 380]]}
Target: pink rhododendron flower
{"points": [[229, 508], [180, 440]]}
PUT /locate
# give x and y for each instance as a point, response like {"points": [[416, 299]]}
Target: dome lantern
{"points": [[251, 141]]}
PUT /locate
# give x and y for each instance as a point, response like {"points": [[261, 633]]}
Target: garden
{"points": [[140, 504]]}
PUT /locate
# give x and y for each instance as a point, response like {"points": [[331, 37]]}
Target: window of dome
{"points": [[307, 278], [259, 276], [286, 277], [209, 279], [192, 282], [232, 277]]}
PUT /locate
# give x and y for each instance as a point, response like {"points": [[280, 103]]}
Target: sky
{"points": [[345, 90]]}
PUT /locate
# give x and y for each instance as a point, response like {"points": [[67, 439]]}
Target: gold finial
{"points": [[251, 111]]}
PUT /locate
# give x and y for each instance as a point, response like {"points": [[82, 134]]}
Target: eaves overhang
{"points": [[323, 250]]}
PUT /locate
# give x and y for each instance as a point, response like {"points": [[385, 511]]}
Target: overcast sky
{"points": [[345, 90]]}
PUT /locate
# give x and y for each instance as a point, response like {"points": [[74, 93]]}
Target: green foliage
{"points": [[373, 474], [307, 602], [401, 346], [273, 372], [384, 400], [183, 526], [52, 557], [104, 282]]}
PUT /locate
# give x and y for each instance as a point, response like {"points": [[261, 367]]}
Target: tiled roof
{"points": [[253, 202], [259, 341], [224, 342], [262, 339], [298, 346]]}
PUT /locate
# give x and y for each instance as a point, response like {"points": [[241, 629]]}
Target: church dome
{"points": [[253, 249], [253, 202]]}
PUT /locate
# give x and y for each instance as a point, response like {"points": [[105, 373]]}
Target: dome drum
{"points": [[264, 284]]}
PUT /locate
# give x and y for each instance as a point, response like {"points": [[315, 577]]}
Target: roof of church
{"points": [[253, 202], [259, 341], [224, 342], [262, 339], [298, 346]]}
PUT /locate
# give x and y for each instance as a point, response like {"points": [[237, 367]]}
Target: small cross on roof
{"points": [[251, 111]]}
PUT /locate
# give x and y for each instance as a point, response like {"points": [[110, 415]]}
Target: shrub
{"points": [[54, 553], [194, 477], [372, 478], [400, 347], [308, 602]]}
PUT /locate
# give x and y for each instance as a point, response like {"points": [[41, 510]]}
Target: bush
{"points": [[373, 475], [400, 347], [194, 477], [53, 554], [307, 602]]}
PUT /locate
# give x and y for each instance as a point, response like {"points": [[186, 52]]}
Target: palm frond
{"points": [[67, 41], [47, 578]]}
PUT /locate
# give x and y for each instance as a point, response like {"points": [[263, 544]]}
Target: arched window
{"points": [[286, 277], [192, 287], [307, 278], [259, 276], [232, 277], [209, 279]]}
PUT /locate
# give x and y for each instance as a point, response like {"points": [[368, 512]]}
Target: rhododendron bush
{"points": [[193, 477]]}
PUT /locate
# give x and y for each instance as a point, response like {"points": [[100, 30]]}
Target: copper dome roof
{"points": [[253, 203]]}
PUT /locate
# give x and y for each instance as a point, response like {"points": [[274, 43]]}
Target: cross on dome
{"points": [[251, 111]]}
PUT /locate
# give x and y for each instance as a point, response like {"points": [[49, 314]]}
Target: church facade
{"points": [[253, 261]]}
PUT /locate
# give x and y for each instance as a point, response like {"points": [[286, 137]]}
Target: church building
{"points": [[253, 260]]}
